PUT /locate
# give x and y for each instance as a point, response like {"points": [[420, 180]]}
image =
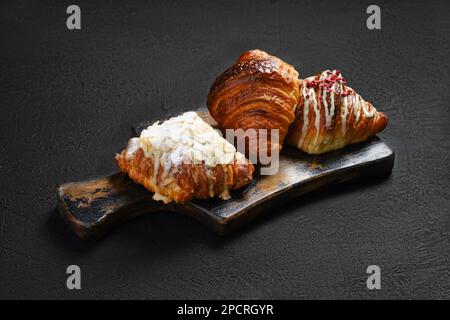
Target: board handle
{"points": [[91, 208]]}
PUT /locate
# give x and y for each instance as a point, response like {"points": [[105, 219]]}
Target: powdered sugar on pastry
{"points": [[187, 139], [133, 146]]}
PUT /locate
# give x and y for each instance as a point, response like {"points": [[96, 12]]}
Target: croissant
{"points": [[184, 159], [332, 115], [259, 91]]}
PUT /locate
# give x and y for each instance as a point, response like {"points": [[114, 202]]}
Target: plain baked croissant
{"points": [[183, 159], [259, 91], [332, 115]]}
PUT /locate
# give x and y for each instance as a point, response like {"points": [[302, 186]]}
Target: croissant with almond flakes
{"points": [[332, 115], [183, 159]]}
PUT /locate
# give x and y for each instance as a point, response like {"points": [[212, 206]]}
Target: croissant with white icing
{"points": [[259, 91], [183, 159], [332, 115]]}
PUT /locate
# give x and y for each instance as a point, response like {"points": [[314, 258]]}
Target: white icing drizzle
{"points": [[329, 112], [356, 107], [312, 94], [334, 88], [325, 106], [305, 117], [368, 113], [346, 95], [332, 101], [344, 113], [133, 146]]}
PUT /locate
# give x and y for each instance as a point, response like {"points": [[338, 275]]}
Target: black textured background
{"points": [[69, 98]]}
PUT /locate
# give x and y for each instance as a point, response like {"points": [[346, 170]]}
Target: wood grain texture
{"points": [[68, 100], [92, 207]]}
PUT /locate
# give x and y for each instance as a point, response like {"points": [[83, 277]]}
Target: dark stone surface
{"points": [[69, 99]]}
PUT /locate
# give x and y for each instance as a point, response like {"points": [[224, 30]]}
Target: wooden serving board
{"points": [[92, 207]]}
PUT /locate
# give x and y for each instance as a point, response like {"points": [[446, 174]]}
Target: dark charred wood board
{"points": [[91, 208]]}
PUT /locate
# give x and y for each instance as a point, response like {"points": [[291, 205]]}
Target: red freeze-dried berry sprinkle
{"points": [[327, 83]]}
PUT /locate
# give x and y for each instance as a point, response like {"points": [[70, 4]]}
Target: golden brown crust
{"points": [[361, 121], [259, 91], [186, 181]]}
